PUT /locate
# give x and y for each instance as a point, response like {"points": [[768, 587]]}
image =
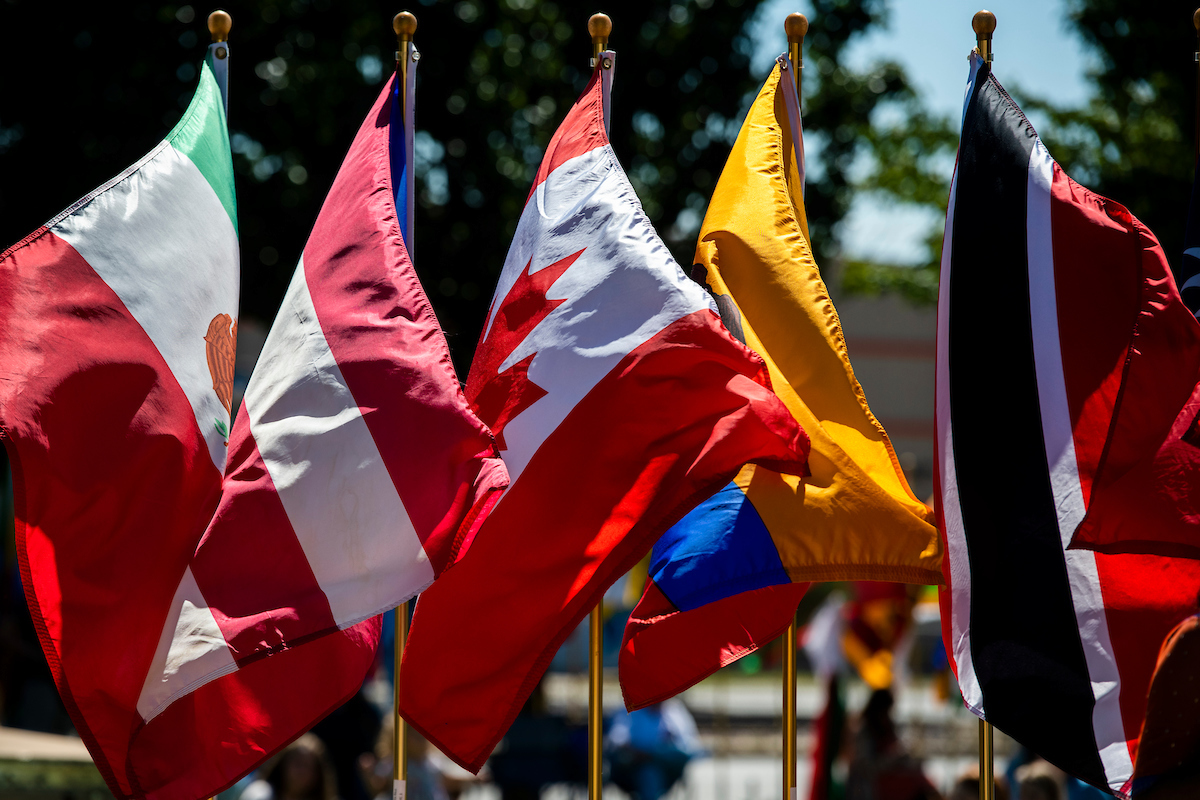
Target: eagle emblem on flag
{"points": [[220, 345]]}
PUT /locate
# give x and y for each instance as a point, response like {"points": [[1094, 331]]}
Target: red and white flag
{"points": [[619, 402], [196, 624]]}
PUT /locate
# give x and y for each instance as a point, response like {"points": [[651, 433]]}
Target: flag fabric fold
{"points": [[117, 342], [356, 472], [1053, 644], [727, 578], [195, 623], [619, 402]]}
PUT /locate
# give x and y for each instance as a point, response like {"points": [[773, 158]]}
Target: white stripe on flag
{"points": [[956, 537], [327, 470], [191, 651], [160, 238], [1057, 433]]}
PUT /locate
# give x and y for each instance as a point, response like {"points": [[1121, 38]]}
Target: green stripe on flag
{"points": [[202, 135]]}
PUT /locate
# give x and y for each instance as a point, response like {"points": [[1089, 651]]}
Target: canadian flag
{"points": [[619, 402]]}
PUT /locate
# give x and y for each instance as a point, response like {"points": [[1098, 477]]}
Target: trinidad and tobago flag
{"points": [[1066, 364], [619, 402]]}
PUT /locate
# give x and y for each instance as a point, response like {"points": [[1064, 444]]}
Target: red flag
{"points": [[619, 402], [194, 624]]}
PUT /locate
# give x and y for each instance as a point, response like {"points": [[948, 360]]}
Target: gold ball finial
{"points": [[795, 26], [405, 25], [1196, 20], [600, 26], [219, 23], [984, 23]]}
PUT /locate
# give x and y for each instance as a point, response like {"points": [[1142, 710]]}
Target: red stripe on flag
{"points": [[250, 567], [231, 725], [90, 407], [697, 643], [391, 351], [666, 427]]}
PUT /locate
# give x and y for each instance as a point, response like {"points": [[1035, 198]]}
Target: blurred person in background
{"points": [[880, 766], [967, 786], [425, 778], [649, 748], [301, 771], [540, 749]]}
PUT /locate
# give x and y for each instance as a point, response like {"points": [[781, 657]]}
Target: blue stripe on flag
{"points": [[398, 151], [720, 549]]}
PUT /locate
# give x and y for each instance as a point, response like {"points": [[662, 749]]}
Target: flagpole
{"points": [[1196, 25], [405, 25], [599, 27], [596, 703], [219, 25], [795, 26], [984, 25], [789, 711]]}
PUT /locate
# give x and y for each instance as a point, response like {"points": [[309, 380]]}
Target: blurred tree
{"points": [[78, 106], [1134, 141], [874, 135]]}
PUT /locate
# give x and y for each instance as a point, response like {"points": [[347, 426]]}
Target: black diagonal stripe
{"points": [[1025, 641]]}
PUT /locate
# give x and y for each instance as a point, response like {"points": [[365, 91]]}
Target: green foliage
{"points": [[873, 118], [1134, 140], [494, 80]]}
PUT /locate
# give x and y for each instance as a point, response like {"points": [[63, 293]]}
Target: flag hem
{"points": [[35, 608]]}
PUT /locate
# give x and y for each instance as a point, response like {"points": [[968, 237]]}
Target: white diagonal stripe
{"points": [[331, 479], [191, 651], [956, 537], [1057, 432]]}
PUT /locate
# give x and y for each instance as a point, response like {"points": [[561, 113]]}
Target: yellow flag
{"points": [[855, 518]]}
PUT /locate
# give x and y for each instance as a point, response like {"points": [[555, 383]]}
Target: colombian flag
{"points": [[727, 578]]}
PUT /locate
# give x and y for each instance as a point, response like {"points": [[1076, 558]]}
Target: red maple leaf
{"points": [[498, 397]]}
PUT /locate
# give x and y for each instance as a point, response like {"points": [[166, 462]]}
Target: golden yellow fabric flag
{"points": [[855, 518]]}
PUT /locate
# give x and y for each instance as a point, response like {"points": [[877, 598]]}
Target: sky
{"points": [[1034, 49]]}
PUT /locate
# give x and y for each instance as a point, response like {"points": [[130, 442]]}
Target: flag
{"points": [[619, 402], [117, 340], [1049, 296], [728, 577], [354, 475]]}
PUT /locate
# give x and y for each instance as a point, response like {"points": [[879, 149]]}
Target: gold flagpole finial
{"points": [[405, 25], [984, 25], [219, 23], [599, 28], [796, 26]]}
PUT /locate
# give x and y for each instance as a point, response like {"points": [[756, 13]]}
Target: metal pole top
{"points": [[796, 27], [600, 27], [219, 23], [405, 25], [984, 23]]}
